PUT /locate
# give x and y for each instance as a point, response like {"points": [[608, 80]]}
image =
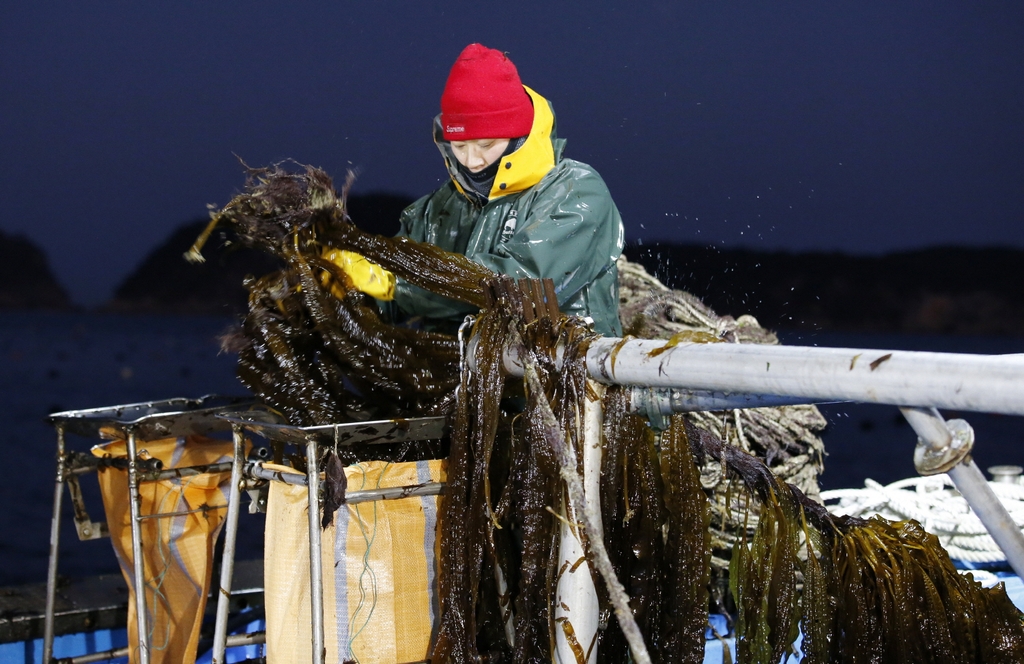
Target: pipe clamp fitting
{"points": [[933, 460]]}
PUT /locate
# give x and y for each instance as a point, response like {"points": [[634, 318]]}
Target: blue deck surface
{"points": [[70, 645]]}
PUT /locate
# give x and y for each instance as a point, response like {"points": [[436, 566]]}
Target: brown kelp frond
{"points": [[817, 605], [565, 452], [298, 208], [505, 483], [278, 203], [898, 597], [873, 590], [320, 355], [687, 547]]}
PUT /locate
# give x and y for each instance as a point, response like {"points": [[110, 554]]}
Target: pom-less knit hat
{"points": [[484, 97]]}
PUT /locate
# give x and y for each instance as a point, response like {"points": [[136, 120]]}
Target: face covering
{"points": [[482, 181]]}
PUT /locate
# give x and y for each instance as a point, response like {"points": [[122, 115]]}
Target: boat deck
{"points": [[101, 602]]}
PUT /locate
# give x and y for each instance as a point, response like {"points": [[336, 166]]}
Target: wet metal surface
{"points": [[153, 419], [378, 432]]}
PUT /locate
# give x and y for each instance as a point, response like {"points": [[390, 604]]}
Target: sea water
{"points": [[69, 361], [64, 361]]}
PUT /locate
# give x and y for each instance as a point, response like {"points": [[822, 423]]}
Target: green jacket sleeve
{"points": [[428, 220]]}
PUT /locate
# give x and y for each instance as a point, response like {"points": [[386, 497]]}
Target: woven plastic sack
{"points": [[379, 570], [178, 550]]}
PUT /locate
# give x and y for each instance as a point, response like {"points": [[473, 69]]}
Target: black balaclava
{"points": [[482, 181]]}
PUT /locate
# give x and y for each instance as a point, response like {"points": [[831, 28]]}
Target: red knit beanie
{"points": [[484, 97]]}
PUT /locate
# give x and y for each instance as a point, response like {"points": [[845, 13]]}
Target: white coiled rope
{"points": [[937, 506]]}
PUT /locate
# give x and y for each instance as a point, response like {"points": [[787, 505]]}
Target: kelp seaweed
{"points": [[861, 591], [874, 591], [318, 358]]}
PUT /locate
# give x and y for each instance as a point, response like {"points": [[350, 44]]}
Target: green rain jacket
{"points": [[546, 217]]}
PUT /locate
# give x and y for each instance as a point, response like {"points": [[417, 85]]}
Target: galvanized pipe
{"points": [[170, 515], [227, 567], [958, 381], [909, 379], [188, 471], [986, 383], [968, 382], [51, 569], [139, 565], [157, 475], [667, 400], [316, 584], [658, 404], [930, 427], [971, 484], [257, 470], [576, 595], [351, 497], [943, 454]]}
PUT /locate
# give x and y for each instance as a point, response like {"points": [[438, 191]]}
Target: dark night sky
{"points": [[863, 126]]}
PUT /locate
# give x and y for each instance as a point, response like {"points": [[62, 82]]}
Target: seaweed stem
{"points": [[591, 521], [194, 255]]}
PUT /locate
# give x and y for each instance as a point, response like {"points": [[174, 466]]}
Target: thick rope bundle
{"points": [[936, 504]]}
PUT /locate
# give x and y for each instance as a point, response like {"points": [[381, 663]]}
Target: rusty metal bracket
{"points": [[86, 527]]}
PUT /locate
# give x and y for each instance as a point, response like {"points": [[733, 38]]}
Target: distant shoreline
{"points": [[939, 290]]}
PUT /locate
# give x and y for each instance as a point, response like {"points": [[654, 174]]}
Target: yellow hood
{"points": [[526, 166]]}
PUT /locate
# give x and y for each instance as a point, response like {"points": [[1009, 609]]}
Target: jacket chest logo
{"points": [[509, 229]]}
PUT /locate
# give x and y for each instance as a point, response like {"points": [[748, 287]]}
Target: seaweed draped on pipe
{"points": [[873, 591], [861, 591]]}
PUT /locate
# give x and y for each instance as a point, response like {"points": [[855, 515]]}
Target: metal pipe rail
{"points": [[944, 447], [227, 568], [257, 470], [138, 562], [316, 579], [980, 383], [51, 569]]}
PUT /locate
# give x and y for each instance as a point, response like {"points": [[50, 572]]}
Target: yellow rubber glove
{"points": [[367, 277]]}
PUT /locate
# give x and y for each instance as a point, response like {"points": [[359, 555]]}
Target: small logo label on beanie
{"points": [[454, 129]]}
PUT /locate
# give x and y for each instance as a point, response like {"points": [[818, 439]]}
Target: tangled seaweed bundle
{"points": [[871, 590], [318, 358]]}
